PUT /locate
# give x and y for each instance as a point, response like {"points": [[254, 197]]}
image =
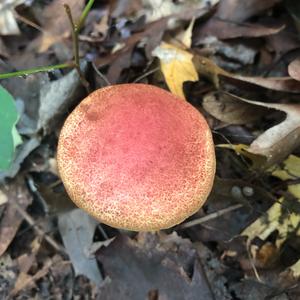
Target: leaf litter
{"points": [[237, 62]]}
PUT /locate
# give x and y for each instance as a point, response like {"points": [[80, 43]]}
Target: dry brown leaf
{"points": [[208, 69], [57, 28], [157, 9], [239, 11], [279, 141], [227, 22], [230, 111], [226, 30], [11, 220], [121, 59], [152, 262]]}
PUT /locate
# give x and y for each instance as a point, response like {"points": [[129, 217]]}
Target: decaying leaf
{"points": [[229, 110], [157, 9], [121, 59], [177, 67], [290, 170], [77, 230], [283, 219], [11, 220], [276, 143], [208, 69], [56, 96], [57, 28], [152, 263], [229, 18]]}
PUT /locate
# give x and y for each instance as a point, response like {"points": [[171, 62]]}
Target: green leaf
{"points": [[9, 137]]}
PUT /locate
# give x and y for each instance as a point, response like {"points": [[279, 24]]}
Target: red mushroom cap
{"points": [[136, 157]]}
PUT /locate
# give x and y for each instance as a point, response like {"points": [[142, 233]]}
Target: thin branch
{"points": [[101, 75], [146, 75], [37, 229], [75, 33], [210, 216]]}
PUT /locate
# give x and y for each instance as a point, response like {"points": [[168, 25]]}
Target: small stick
{"points": [[210, 216], [75, 32], [146, 74], [101, 75], [38, 230]]}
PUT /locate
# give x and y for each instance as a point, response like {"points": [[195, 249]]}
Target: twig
{"points": [[84, 82], [37, 229], [146, 74], [250, 257], [101, 75], [210, 216], [75, 33]]}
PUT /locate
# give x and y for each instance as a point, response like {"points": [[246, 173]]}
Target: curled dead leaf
{"points": [[276, 143], [208, 69], [294, 69]]}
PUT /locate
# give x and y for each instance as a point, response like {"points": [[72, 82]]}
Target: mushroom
{"points": [[135, 156]]}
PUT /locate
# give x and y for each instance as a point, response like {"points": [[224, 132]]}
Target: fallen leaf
{"points": [[8, 23], [77, 231], [177, 67], [230, 111], [239, 53], [16, 191], [208, 69], [152, 263], [224, 29], [22, 152], [57, 28], [240, 149], [228, 20], [186, 36], [25, 262], [8, 274], [290, 170], [157, 9], [280, 217], [56, 96], [295, 269], [294, 69], [121, 59], [277, 142]]}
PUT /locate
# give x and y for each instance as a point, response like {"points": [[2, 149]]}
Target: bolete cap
{"points": [[136, 157]]}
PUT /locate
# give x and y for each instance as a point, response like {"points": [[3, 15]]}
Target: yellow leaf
{"points": [[241, 149], [274, 219], [290, 170], [177, 67], [186, 37], [295, 268]]}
